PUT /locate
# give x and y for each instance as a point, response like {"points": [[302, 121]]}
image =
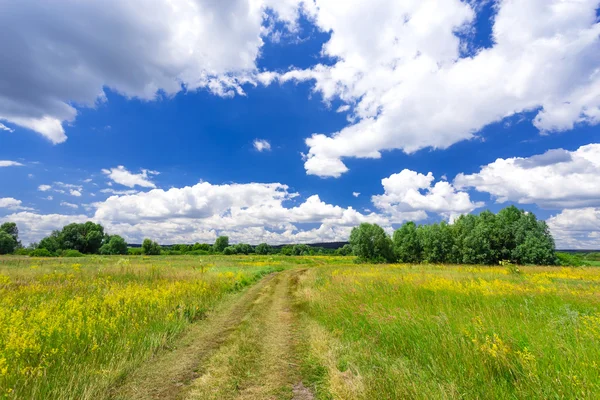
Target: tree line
{"points": [[511, 235], [75, 240]]}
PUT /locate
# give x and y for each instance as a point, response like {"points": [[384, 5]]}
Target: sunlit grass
{"points": [[69, 328], [404, 331]]}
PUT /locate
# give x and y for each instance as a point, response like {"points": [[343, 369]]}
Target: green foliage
{"points": [[301, 250], [150, 248], [229, 250], [11, 229], [114, 245], [41, 252], [287, 250], [243, 248], [221, 243], [71, 253], [86, 238], [263, 249], [135, 251], [512, 235], [370, 243], [406, 243], [8, 244], [346, 250]]}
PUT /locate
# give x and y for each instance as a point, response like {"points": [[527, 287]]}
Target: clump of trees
{"points": [[76, 239], [510, 235]]}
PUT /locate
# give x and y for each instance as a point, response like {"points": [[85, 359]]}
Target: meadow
{"points": [[78, 328], [70, 328]]}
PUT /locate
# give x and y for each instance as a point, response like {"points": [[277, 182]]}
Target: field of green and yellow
{"points": [[79, 328]]}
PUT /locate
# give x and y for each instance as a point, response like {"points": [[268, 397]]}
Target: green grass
{"points": [[428, 332]]}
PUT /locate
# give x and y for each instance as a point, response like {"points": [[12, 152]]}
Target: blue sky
{"points": [[151, 128]]}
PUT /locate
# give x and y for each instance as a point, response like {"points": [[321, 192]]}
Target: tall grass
{"points": [[428, 332], [69, 330]]}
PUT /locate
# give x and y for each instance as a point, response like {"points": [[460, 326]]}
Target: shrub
{"points": [[71, 253], [135, 251], [229, 250], [41, 253]]}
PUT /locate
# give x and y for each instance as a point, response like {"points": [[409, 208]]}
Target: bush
{"points": [[571, 260], [229, 250], [135, 251], [221, 243], [263, 249], [114, 245], [41, 253], [71, 253], [198, 253], [23, 251]]}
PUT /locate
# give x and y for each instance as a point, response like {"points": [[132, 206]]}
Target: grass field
{"points": [[312, 327]]}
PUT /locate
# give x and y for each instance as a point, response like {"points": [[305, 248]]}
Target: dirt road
{"points": [[245, 349]]}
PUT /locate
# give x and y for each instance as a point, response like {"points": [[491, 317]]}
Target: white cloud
{"points": [[403, 193], [49, 198], [12, 204], [118, 192], [123, 177], [70, 205], [355, 194], [576, 229], [555, 179], [402, 66], [87, 180], [75, 193], [44, 188], [262, 145], [142, 47], [343, 108], [5, 128], [258, 212], [7, 163]]}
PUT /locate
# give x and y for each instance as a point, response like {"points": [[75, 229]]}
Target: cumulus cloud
{"points": [[576, 229], [262, 145], [33, 226], [118, 192], [12, 204], [404, 68], [123, 177], [70, 205], [410, 191], [355, 194], [44, 188], [259, 212], [7, 163], [75, 193], [143, 47], [555, 179]]}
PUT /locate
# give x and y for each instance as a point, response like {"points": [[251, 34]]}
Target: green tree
{"points": [[535, 244], [221, 243], [86, 238], [243, 248], [263, 249], [8, 244], [150, 248], [406, 243], [11, 229], [370, 243], [345, 250], [483, 245], [301, 250], [437, 242], [114, 245], [229, 251], [51, 243]]}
